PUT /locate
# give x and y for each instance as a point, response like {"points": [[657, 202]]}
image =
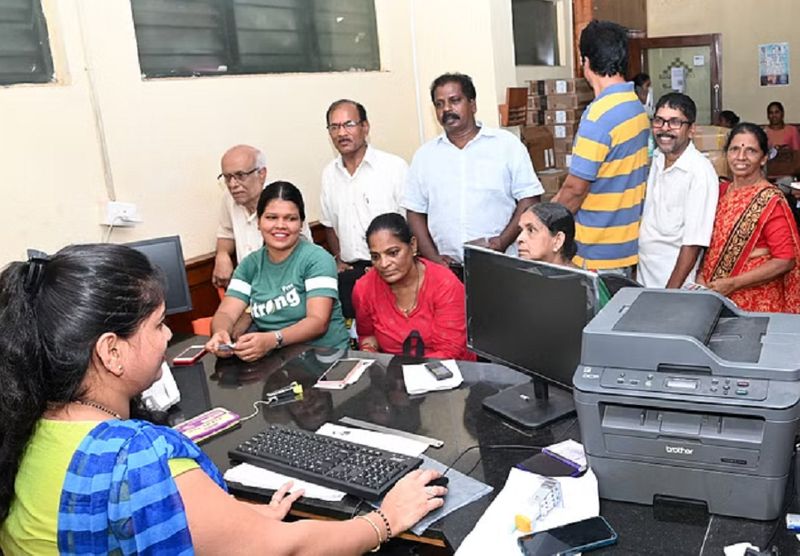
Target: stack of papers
{"points": [[419, 380], [495, 533]]}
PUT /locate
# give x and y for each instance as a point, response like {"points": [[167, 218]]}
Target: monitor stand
{"points": [[531, 405]]}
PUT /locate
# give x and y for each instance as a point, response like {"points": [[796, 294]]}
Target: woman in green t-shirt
{"points": [[289, 286]]}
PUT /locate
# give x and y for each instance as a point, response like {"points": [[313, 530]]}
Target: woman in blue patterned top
{"points": [[82, 334]]}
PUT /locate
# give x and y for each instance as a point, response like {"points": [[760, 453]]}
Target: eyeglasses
{"points": [[349, 125], [238, 176], [672, 123]]}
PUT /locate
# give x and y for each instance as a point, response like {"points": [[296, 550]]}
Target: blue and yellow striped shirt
{"points": [[610, 151]]}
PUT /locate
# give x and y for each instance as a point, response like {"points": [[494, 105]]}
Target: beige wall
{"points": [[744, 25], [162, 138]]}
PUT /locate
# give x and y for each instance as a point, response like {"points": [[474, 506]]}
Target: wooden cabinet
{"points": [[628, 13]]}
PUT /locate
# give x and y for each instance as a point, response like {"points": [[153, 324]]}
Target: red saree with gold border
{"points": [[740, 218]]}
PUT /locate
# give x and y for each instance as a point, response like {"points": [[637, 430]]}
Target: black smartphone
{"points": [[438, 370], [572, 538]]}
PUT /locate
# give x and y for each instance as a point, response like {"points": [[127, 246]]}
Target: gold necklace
{"points": [[413, 306], [96, 405]]}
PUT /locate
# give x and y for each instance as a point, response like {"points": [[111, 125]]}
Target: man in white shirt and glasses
{"points": [[681, 199], [360, 184], [244, 175]]}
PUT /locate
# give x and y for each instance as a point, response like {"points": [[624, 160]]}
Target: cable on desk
{"points": [[490, 447], [292, 392]]}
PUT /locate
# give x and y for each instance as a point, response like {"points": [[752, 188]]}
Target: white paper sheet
{"points": [[419, 380], [495, 532], [258, 477]]}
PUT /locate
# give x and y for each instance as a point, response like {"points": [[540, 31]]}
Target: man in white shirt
{"points": [[471, 182], [357, 186], [681, 199], [244, 173]]}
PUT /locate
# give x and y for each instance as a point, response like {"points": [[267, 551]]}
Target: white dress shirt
{"points": [[349, 203], [242, 227], [679, 210], [469, 193]]}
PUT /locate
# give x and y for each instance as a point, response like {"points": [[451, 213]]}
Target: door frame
{"points": [[636, 61]]}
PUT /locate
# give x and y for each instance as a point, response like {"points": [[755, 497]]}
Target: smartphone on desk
{"points": [[190, 355], [339, 374], [572, 538], [438, 370]]}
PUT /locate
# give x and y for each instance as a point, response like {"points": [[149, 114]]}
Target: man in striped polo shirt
{"points": [[608, 173]]}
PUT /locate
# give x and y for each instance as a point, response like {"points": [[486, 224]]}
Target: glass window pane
{"points": [[535, 32], [24, 44]]}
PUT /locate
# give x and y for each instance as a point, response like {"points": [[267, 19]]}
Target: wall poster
{"points": [[773, 64]]}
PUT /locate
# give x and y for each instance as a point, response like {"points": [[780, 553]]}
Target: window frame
{"points": [[234, 64], [44, 54]]}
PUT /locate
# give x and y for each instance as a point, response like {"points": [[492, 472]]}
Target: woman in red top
{"points": [[408, 299], [778, 133], [755, 249]]}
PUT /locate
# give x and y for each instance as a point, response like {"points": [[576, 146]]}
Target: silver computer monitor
{"points": [[528, 315], [166, 253]]}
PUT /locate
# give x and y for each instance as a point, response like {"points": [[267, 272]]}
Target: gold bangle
{"points": [[375, 528]]}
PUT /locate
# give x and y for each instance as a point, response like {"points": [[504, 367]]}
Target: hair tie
{"points": [[37, 261]]}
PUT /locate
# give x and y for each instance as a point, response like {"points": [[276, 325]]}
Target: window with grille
{"points": [[24, 45], [217, 37]]}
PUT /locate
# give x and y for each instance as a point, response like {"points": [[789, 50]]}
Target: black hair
{"points": [[467, 87], [778, 104], [52, 313], [605, 45], [558, 219], [640, 79], [285, 191], [393, 223], [747, 127], [681, 102], [729, 115], [362, 112]]}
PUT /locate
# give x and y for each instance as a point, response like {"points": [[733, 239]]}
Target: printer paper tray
{"points": [[681, 450]]}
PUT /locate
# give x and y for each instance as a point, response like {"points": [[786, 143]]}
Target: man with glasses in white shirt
{"points": [[360, 184], [681, 199], [244, 175]]}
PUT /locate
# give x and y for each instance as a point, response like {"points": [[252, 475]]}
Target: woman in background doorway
{"points": [[779, 134]]}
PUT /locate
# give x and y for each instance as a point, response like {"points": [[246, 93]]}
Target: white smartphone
{"points": [[341, 373], [190, 355]]}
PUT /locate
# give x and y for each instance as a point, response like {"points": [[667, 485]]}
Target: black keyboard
{"points": [[353, 468]]}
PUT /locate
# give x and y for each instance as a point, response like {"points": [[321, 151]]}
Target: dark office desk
{"points": [[456, 417]]}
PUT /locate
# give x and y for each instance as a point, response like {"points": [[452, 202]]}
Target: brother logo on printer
{"points": [[679, 450]]}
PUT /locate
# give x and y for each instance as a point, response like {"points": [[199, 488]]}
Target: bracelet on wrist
{"points": [[375, 528], [385, 522]]}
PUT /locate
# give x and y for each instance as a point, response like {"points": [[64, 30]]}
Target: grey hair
{"points": [[258, 154]]}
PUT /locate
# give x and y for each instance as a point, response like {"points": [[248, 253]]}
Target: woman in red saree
{"points": [[755, 249]]}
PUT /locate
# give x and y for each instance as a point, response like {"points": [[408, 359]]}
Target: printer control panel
{"points": [[697, 385]]}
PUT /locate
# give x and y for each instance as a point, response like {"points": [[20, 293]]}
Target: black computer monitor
{"points": [[528, 315], [166, 253]]}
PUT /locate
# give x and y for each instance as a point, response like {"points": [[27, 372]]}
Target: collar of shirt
{"points": [[626, 87], [483, 131], [684, 160], [369, 158]]}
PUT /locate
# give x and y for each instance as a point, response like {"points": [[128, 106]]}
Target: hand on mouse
{"points": [[411, 498]]}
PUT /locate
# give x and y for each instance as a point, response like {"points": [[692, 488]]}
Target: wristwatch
{"points": [[278, 338]]}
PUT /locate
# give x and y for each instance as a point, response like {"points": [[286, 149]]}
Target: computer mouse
{"points": [[439, 481]]}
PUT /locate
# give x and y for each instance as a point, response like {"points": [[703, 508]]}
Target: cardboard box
{"points": [[537, 102], [579, 99], [563, 160], [562, 116], [552, 179], [539, 142], [566, 86], [534, 117], [563, 145], [563, 131], [710, 137], [536, 87], [720, 162]]}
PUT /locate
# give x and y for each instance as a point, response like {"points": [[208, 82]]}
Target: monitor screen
{"points": [[166, 253], [528, 315]]}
